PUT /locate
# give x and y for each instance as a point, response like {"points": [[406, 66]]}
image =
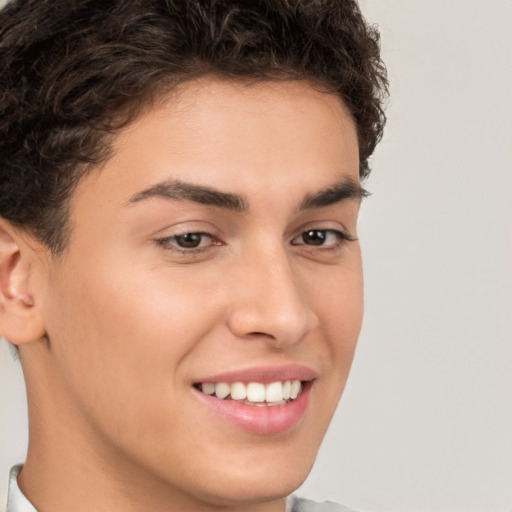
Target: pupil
{"points": [[189, 240], [314, 237]]}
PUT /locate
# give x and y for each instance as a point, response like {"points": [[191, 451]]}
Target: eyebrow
{"points": [[178, 190], [181, 191], [345, 189]]}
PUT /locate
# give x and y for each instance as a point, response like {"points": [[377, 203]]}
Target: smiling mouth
{"points": [[255, 394]]}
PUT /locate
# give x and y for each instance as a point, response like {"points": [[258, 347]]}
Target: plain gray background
{"points": [[426, 420]]}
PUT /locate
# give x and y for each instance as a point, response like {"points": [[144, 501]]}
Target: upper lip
{"points": [[263, 374]]}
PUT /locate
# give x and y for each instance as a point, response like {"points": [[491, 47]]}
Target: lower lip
{"points": [[272, 419]]}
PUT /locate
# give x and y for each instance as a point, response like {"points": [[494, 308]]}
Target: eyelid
{"points": [[324, 225], [186, 226], [339, 233], [170, 242]]}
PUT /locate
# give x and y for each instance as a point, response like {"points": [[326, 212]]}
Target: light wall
{"points": [[426, 421]]}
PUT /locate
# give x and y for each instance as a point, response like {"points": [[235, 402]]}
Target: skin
{"points": [[132, 322]]}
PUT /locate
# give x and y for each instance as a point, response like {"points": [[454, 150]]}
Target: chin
{"points": [[260, 474], [271, 478], [251, 490]]}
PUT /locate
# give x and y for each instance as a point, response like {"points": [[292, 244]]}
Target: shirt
{"points": [[17, 502]]}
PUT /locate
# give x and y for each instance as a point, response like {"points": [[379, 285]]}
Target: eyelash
{"points": [[341, 238], [171, 242]]}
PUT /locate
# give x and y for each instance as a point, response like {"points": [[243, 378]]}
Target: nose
{"points": [[268, 303]]}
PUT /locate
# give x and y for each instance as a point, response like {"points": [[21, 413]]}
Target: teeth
{"points": [[295, 389], [286, 390], [274, 392], [208, 388], [255, 393], [238, 391], [222, 390]]}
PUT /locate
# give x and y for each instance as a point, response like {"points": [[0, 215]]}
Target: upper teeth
{"points": [[274, 392]]}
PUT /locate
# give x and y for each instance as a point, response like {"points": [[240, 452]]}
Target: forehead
{"points": [[279, 137]]}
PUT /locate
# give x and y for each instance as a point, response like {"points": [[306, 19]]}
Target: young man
{"points": [[179, 265]]}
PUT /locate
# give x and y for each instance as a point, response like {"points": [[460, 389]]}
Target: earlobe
{"points": [[20, 318]]}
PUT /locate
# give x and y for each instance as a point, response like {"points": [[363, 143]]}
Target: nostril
{"points": [[258, 334]]}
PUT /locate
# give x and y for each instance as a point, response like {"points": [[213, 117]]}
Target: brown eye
{"points": [[189, 240], [325, 238], [314, 237]]}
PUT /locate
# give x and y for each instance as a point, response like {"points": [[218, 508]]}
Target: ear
{"points": [[20, 318]]}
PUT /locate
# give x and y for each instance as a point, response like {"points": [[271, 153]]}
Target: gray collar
{"points": [[16, 501]]}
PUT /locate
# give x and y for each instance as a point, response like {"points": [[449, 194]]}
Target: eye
{"points": [[321, 237], [188, 241]]}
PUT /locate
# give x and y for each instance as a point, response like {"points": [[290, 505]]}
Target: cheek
{"points": [[119, 336], [337, 299], [342, 318], [338, 305]]}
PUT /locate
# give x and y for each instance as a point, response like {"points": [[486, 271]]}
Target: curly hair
{"points": [[74, 72]]}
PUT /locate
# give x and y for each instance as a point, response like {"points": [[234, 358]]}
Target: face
{"points": [[215, 252]]}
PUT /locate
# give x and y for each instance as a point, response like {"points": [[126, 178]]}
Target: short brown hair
{"points": [[73, 72]]}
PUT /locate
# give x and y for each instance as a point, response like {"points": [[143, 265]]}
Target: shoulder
{"points": [[297, 504]]}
